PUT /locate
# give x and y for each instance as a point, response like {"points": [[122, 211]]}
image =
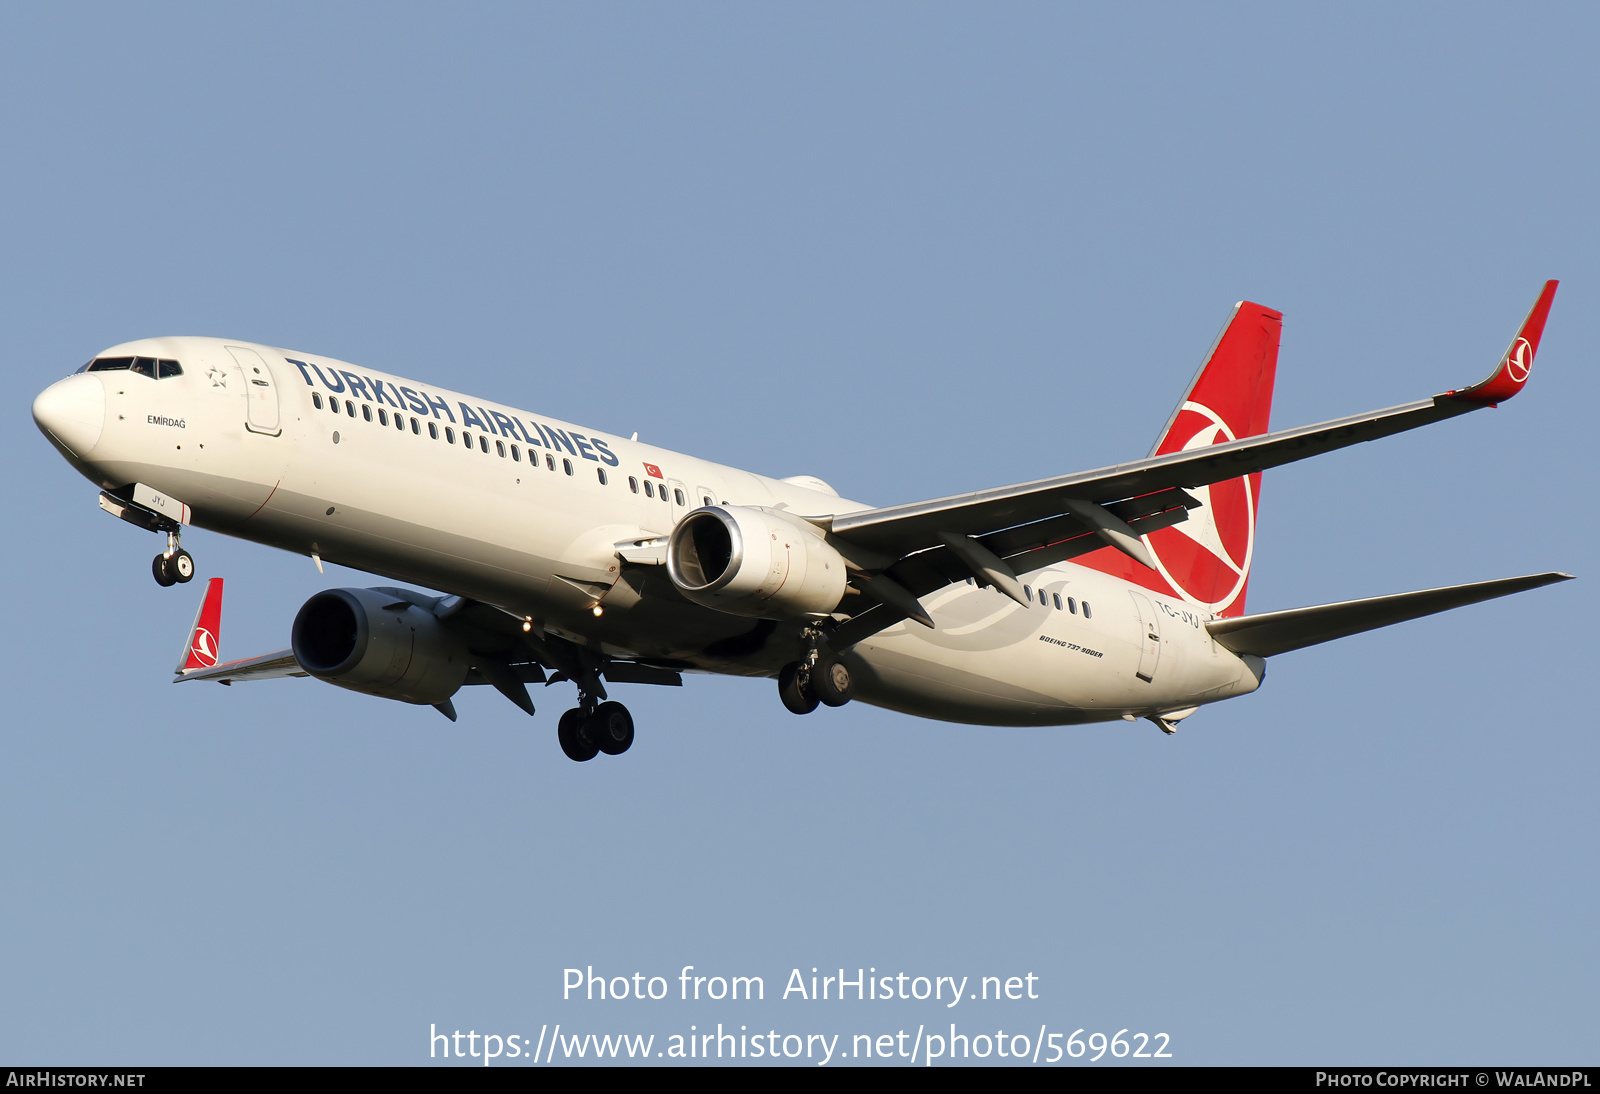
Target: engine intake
{"points": [[374, 643], [755, 562]]}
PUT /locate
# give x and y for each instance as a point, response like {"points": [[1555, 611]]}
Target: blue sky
{"points": [[912, 249]]}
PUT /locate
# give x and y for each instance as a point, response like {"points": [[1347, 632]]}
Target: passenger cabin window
{"points": [[399, 423], [316, 400], [602, 473], [706, 499], [516, 454], [1072, 605], [433, 430], [568, 465], [333, 404], [483, 443], [366, 412], [1057, 598], [633, 484], [549, 461], [449, 435], [383, 416], [676, 493], [1086, 613], [649, 491], [1027, 592], [1043, 599], [350, 408], [415, 427]]}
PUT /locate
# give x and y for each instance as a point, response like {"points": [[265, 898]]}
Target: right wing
{"points": [[1036, 524], [900, 529]]}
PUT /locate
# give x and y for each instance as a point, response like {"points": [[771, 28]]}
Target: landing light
{"points": [[598, 610], [527, 624]]}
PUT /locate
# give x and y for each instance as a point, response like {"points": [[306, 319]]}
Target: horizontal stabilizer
{"points": [[1279, 632]]}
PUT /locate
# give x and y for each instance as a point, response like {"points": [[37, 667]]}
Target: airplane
{"points": [[560, 553]]}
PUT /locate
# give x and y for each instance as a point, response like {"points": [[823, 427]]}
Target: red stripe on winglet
{"points": [[1517, 363], [206, 637]]}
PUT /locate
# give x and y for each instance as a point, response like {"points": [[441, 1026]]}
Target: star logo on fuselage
{"points": [[217, 376]]}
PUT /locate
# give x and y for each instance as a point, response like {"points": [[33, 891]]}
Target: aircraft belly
{"points": [[992, 661]]}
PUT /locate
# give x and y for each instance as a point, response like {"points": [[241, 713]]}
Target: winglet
{"points": [[1517, 362], [205, 637]]}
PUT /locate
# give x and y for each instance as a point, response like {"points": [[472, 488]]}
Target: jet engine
{"points": [[755, 562], [372, 642]]}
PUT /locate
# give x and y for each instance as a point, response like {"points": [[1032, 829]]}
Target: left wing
{"points": [[266, 667], [198, 661], [504, 653]]}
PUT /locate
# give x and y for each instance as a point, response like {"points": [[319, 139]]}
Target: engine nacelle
{"points": [[755, 562], [377, 644]]}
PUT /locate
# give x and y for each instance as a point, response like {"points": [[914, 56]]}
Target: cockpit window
{"points": [[144, 366]]}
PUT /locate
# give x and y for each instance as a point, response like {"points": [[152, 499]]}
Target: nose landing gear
{"points": [[174, 565]]}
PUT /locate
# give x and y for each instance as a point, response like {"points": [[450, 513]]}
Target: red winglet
{"points": [[205, 636], [1517, 362]]}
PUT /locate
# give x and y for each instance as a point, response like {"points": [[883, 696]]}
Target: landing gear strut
{"points": [[820, 677], [589, 729], [174, 565]]}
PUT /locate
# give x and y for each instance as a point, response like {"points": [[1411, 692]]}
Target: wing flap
{"points": [[1280, 632]]}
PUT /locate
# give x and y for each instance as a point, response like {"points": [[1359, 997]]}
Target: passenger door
{"points": [[1149, 637], [261, 393]]}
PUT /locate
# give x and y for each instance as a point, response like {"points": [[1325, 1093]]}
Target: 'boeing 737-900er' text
{"points": [[568, 554]]}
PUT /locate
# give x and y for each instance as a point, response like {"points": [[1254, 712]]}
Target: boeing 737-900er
{"points": [[562, 553]]}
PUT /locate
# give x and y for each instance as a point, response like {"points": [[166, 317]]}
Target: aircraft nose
{"points": [[73, 412]]}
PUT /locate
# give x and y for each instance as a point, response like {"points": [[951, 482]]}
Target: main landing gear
{"points": [[819, 678], [589, 729], [174, 565]]}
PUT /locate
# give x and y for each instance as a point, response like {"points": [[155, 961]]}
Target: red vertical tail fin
{"points": [[1206, 559], [205, 637]]}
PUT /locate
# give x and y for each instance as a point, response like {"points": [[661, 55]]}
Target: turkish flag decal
{"points": [[652, 470]]}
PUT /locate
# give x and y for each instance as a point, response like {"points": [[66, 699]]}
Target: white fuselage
{"points": [[529, 517]]}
